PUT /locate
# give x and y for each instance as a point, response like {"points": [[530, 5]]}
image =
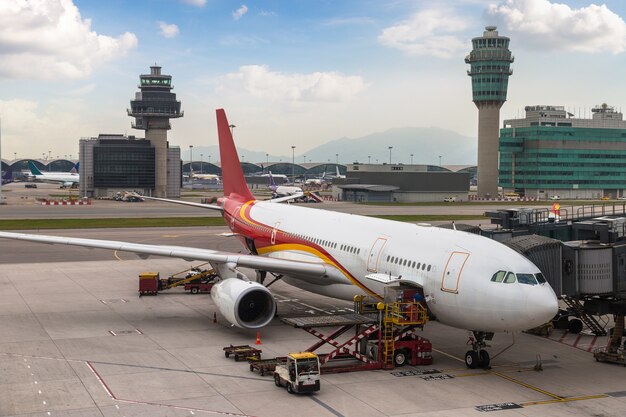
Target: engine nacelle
{"points": [[245, 304]]}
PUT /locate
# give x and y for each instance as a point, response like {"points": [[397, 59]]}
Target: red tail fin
{"points": [[232, 174]]}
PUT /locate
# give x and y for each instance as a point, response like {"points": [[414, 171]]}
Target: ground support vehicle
{"points": [[383, 334], [242, 352], [266, 366], [148, 283], [195, 280], [300, 373]]}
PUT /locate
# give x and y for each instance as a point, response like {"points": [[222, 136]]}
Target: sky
{"points": [[291, 73]]}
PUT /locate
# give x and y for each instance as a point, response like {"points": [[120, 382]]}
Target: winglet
{"points": [[33, 168], [232, 175]]}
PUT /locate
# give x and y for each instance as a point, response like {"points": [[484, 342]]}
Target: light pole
{"points": [[232, 128], [411, 159], [14, 155], [337, 158], [293, 164], [201, 163], [369, 159], [390, 148], [439, 160], [304, 159], [191, 163]]}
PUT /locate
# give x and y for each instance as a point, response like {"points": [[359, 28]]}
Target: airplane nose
{"points": [[542, 305]]}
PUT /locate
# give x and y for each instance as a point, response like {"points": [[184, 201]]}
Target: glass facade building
{"points": [[123, 164], [552, 153]]}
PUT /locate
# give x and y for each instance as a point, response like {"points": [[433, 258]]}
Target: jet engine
{"points": [[245, 304]]}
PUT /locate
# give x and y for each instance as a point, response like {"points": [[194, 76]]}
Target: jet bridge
{"points": [[581, 250]]}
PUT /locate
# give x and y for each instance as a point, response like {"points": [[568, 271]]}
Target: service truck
{"points": [[301, 373]]}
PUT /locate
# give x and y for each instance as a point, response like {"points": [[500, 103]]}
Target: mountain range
{"points": [[429, 145]]}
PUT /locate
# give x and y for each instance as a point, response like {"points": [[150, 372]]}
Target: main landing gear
{"points": [[478, 357]]}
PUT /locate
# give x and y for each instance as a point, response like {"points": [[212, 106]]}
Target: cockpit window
{"points": [[526, 279], [510, 278], [498, 276], [540, 278]]}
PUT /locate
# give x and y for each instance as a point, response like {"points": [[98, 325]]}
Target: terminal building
{"points": [[552, 153], [112, 163], [401, 183]]}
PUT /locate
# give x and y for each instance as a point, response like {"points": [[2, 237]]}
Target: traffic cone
{"points": [[258, 338]]}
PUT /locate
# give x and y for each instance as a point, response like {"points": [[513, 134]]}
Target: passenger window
{"points": [[423, 266], [498, 276], [526, 279], [388, 257], [413, 265], [418, 265], [428, 268], [540, 278], [510, 278]]}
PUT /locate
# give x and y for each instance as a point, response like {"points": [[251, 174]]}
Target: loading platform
{"points": [[382, 333]]}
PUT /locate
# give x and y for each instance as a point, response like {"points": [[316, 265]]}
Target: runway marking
{"points": [[175, 407], [449, 355], [527, 385]]}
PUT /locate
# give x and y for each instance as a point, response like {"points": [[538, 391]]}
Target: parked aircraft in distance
{"points": [[468, 281], [7, 176], [284, 190], [66, 179]]}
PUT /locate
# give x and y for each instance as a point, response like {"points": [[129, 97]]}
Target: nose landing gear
{"points": [[478, 357]]}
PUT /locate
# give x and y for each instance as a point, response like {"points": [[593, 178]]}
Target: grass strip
{"points": [[31, 224]]}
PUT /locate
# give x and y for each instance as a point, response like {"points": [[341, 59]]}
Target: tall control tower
{"points": [[490, 61], [152, 108]]}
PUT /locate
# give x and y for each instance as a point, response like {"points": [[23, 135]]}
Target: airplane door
{"points": [[374, 256], [274, 231], [452, 273]]}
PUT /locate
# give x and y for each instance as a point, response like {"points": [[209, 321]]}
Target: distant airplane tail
{"points": [[232, 175], [75, 168], [33, 168], [272, 183], [337, 168]]}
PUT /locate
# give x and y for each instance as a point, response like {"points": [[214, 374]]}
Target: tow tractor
{"points": [[300, 374]]}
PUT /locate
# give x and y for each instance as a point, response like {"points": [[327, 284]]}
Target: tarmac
{"points": [[77, 340]]}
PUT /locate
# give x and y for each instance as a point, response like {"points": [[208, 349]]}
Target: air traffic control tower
{"points": [[490, 61], [152, 108]]}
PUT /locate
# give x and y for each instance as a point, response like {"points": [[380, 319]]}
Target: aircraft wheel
{"points": [[575, 326], [471, 359], [277, 380], [399, 357], [483, 359], [289, 388]]}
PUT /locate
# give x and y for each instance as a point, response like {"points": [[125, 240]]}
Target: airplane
{"points": [[468, 281], [67, 179], [284, 190], [7, 176]]}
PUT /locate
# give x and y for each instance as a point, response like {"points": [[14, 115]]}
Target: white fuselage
{"points": [[454, 268], [60, 177], [285, 190]]}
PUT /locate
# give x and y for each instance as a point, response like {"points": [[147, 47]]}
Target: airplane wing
{"points": [[286, 198], [184, 203], [281, 266]]}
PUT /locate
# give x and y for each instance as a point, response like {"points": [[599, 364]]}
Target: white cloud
{"points": [[198, 3], [557, 26], [428, 32], [259, 82], [168, 31], [266, 13], [48, 39], [238, 14]]}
